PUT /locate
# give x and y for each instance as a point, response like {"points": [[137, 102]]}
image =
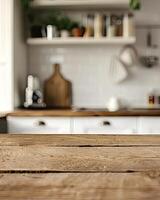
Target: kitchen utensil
{"points": [[64, 33], [51, 32], [128, 56], [150, 59], [33, 94], [111, 31], [58, 90], [89, 24], [76, 32], [98, 25], [113, 104], [117, 71], [128, 25]]}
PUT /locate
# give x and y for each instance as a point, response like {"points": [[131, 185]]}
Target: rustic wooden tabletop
{"points": [[79, 167]]}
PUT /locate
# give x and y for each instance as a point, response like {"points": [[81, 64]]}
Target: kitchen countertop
{"points": [[83, 113], [79, 167]]}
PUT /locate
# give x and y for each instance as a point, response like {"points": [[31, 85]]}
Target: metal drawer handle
{"points": [[41, 123], [106, 123]]}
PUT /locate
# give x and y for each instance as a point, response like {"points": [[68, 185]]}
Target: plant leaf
{"points": [[135, 4]]}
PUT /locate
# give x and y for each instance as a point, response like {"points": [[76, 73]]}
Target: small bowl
{"points": [[149, 61]]}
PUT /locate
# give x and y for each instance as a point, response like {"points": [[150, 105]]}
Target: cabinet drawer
{"points": [[40, 125], [111, 125], [149, 125]]}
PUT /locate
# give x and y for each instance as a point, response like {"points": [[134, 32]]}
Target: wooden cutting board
{"points": [[58, 90]]}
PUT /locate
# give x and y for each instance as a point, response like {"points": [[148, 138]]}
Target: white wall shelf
{"points": [[81, 3], [81, 41]]}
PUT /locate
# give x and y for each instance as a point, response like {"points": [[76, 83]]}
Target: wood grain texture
{"points": [[74, 159], [118, 155], [82, 113], [76, 140], [81, 167], [118, 186], [58, 90]]}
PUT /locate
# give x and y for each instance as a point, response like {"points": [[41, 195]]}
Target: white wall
{"points": [[86, 67]]}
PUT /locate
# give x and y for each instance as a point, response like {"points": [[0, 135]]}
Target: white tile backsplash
{"points": [[86, 67]]}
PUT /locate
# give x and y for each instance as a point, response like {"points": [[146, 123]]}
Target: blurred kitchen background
{"points": [[87, 66]]}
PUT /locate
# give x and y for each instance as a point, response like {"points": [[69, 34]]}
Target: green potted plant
{"points": [[39, 19], [135, 4], [76, 30], [35, 24], [64, 26], [26, 3]]}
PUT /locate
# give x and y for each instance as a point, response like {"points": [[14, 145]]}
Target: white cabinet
{"points": [[102, 125], [84, 125], [149, 125], [39, 125]]}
